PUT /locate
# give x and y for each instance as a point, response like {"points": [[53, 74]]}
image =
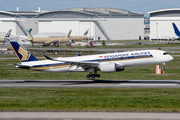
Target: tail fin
{"points": [[69, 34], [8, 33], [6, 38], [22, 53], [29, 36], [29, 31], [85, 34], [176, 30]]}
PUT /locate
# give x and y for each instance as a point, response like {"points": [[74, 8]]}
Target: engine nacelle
{"points": [[110, 67], [120, 69]]}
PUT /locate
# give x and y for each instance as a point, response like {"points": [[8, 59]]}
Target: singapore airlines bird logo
{"points": [[24, 53]]}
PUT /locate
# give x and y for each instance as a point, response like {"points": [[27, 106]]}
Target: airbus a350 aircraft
{"points": [[112, 62], [47, 41]]}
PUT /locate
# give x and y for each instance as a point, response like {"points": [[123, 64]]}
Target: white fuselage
{"points": [[122, 59]]}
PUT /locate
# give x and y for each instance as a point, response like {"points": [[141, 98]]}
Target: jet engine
{"points": [[110, 67]]}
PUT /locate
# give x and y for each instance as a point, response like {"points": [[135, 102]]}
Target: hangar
{"points": [[103, 23], [161, 23]]}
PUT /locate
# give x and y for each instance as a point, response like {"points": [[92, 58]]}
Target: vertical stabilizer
{"points": [[85, 34], [30, 30], [8, 33], [176, 30], [6, 37], [22, 53], [29, 36], [69, 34]]}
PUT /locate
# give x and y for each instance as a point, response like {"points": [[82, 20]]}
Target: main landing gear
{"points": [[93, 75]]}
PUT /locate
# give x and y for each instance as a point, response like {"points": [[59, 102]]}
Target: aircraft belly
{"points": [[58, 70], [53, 68], [65, 69]]}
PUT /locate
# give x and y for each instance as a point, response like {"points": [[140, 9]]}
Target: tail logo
{"points": [[69, 34], [24, 53], [9, 33]]}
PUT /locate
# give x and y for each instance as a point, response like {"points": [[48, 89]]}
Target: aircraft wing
{"points": [[80, 63], [74, 62], [84, 64]]}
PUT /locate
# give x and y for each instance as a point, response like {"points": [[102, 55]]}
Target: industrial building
{"points": [[103, 23], [161, 23], [146, 27]]}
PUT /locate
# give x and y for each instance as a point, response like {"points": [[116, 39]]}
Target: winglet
{"points": [[48, 57], [176, 30], [78, 54]]}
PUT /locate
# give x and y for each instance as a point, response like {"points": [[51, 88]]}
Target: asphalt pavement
{"points": [[88, 116], [90, 83]]}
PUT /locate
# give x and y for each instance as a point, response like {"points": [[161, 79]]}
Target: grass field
{"points": [[90, 99]]}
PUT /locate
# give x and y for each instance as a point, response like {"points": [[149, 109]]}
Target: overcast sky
{"points": [[142, 6]]}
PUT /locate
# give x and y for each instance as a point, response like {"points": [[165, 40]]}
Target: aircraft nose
{"points": [[170, 58]]}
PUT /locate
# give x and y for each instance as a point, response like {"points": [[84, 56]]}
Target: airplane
{"points": [[47, 41], [3, 39], [24, 36], [79, 38], [106, 63], [176, 30]]}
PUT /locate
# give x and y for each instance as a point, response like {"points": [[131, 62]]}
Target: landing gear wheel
{"points": [[88, 76], [93, 75], [98, 75]]}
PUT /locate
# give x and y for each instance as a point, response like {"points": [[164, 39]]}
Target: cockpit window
{"points": [[165, 53]]}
